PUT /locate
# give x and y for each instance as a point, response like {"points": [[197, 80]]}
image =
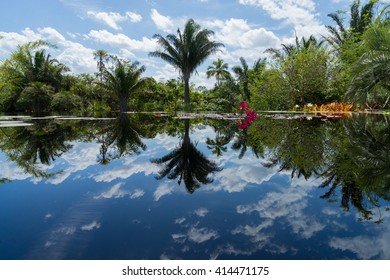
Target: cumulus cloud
{"points": [[113, 19], [300, 13], [238, 33], [73, 54], [122, 41], [164, 23]]}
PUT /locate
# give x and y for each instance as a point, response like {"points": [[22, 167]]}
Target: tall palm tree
{"points": [[187, 163], [102, 57], [219, 69], [124, 79], [186, 51], [242, 73]]}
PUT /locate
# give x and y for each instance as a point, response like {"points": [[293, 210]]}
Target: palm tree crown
{"points": [[186, 51], [219, 69]]}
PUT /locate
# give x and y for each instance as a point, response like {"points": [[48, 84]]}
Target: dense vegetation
{"points": [[349, 64]]}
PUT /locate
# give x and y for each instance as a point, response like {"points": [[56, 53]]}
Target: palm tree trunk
{"points": [[123, 103], [187, 92]]}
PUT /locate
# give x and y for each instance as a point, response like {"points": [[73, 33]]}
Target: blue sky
{"points": [[126, 27]]}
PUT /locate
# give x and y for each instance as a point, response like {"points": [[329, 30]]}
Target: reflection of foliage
{"points": [[361, 165], [187, 163], [30, 146], [120, 137], [351, 155]]}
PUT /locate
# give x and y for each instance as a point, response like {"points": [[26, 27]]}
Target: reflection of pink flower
{"points": [[251, 116], [243, 124], [243, 106]]}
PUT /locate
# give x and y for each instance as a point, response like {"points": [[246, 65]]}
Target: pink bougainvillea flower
{"points": [[251, 116], [243, 106]]}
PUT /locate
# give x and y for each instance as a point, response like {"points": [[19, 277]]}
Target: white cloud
{"points": [[73, 54], [238, 33], [113, 19], [91, 226], [122, 42], [162, 190], [300, 13], [164, 23]]}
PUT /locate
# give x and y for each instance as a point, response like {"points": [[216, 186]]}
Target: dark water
{"points": [[146, 187]]}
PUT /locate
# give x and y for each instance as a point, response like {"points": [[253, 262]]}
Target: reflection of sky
{"points": [[120, 211]]}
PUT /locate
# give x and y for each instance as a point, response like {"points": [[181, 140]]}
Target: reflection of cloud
{"points": [[12, 172], [161, 191], [240, 174], [137, 194], [374, 246], [201, 212], [254, 231], [91, 226], [201, 235], [127, 169], [197, 235], [287, 204], [48, 216], [116, 192], [82, 156], [179, 221], [68, 230]]}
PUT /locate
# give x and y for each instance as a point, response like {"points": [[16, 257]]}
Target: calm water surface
{"points": [[147, 187]]}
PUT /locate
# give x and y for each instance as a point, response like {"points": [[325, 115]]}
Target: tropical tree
{"points": [[102, 57], [219, 70], [186, 51], [243, 75], [360, 20], [27, 65], [36, 96], [123, 80], [372, 71]]}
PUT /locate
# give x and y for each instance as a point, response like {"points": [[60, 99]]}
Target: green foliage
{"points": [[66, 102], [371, 73]]}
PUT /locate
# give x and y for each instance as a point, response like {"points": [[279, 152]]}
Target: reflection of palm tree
{"points": [[122, 137], [218, 145], [187, 163]]}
